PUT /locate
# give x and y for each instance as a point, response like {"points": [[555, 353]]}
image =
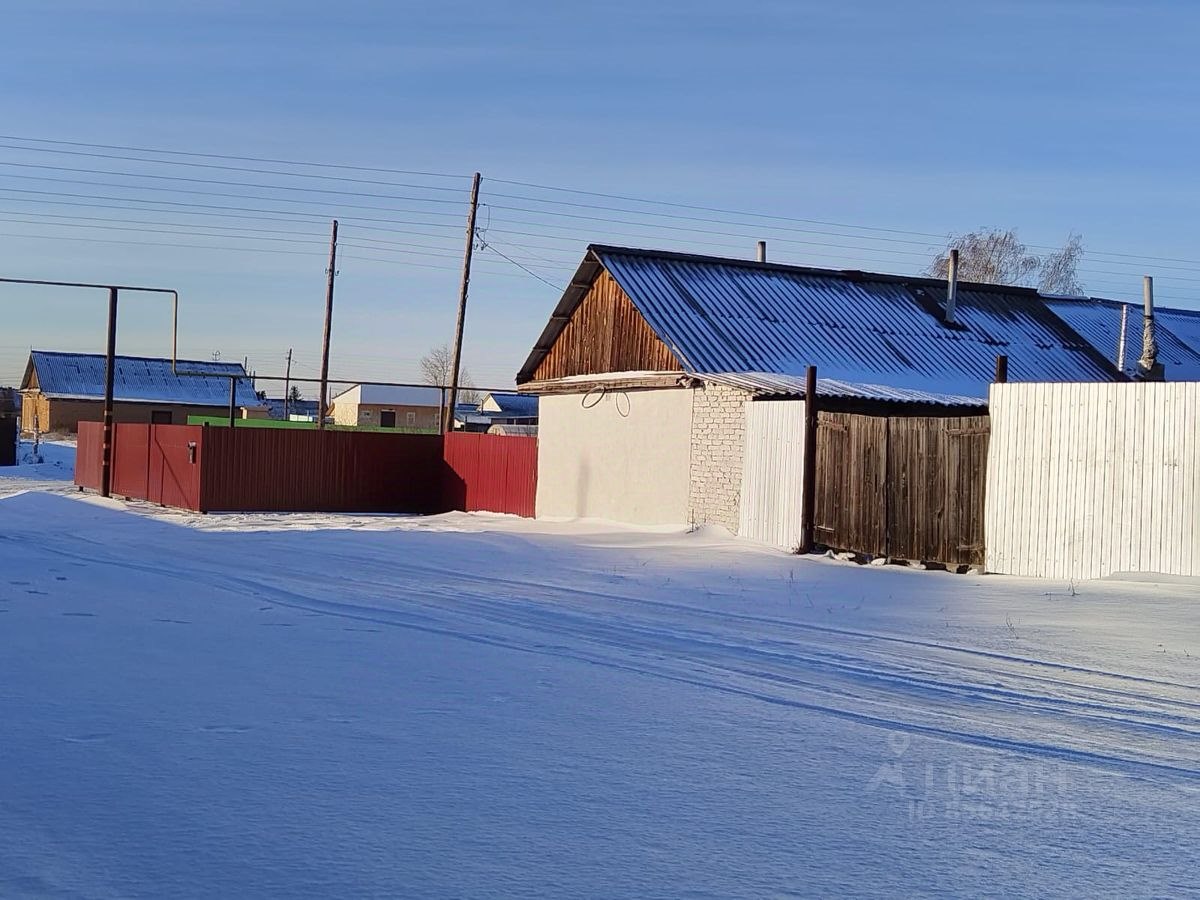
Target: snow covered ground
{"points": [[480, 706]]}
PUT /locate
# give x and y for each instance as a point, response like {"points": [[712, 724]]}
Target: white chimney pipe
{"points": [[762, 251], [1121, 336], [1149, 361], [952, 287]]}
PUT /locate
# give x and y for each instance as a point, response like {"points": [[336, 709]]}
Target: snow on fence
{"points": [[1089, 479], [219, 469]]}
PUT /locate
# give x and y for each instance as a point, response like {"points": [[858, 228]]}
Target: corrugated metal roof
{"points": [[1099, 322], [1183, 323], [767, 384], [511, 404], [138, 379], [725, 315]]}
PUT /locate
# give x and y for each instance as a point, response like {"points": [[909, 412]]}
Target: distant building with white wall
{"points": [[383, 406]]}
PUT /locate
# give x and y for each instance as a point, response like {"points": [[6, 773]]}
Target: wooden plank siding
{"points": [[1086, 480], [605, 334], [902, 487]]}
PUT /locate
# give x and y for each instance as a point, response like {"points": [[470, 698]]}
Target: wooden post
{"points": [[448, 420], [809, 484], [110, 365], [322, 401], [232, 398], [1001, 369]]}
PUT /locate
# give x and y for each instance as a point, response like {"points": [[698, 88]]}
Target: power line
{"points": [[140, 187], [281, 162], [212, 206], [486, 246], [250, 184], [251, 170]]}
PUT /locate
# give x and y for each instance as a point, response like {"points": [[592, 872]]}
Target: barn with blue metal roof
{"points": [[60, 390], [646, 365]]}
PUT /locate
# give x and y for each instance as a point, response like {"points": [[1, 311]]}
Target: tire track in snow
{"points": [[701, 659]]}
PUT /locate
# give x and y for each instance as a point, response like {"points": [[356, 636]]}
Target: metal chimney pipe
{"points": [[1121, 336], [1149, 361], [762, 251], [952, 287]]}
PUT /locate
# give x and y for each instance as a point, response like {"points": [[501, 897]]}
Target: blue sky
{"points": [[921, 117]]}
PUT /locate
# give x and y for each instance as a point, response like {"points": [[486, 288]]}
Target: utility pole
{"points": [[287, 384], [322, 400], [448, 421]]}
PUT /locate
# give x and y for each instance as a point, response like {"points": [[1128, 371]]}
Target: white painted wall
{"points": [[625, 458], [1089, 479], [773, 473]]}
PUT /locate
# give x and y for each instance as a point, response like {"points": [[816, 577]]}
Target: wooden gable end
{"points": [[605, 334]]}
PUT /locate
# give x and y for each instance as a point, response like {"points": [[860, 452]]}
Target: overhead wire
{"points": [[282, 162]]}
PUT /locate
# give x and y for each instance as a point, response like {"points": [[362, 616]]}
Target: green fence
{"points": [[281, 423]]}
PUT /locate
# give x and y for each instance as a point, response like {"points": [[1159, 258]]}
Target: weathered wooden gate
{"points": [[903, 487]]}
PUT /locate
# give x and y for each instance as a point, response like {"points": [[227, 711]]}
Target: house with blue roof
{"points": [[509, 408], [647, 364], [60, 390]]}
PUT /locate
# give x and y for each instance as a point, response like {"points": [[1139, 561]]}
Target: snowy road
{"points": [[471, 706]]}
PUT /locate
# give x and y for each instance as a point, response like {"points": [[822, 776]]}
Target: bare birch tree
{"points": [[436, 366], [995, 256]]}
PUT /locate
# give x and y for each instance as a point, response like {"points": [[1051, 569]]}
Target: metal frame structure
{"points": [[110, 354]]}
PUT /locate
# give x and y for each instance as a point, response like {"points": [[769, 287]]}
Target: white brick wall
{"points": [[718, 449]]}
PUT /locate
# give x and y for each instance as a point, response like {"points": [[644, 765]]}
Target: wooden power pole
{"points": [[287, 385], [322, 402], [448, 421]]}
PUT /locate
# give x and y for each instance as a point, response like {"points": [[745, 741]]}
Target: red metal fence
{"points": [[491, 472], [87, 455], [285, 470], [213, 469]]}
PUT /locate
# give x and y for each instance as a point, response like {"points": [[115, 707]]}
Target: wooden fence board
{"points": [[906, 487]]}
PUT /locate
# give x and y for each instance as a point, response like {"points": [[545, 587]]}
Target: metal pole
{"points": [[110, 367], [809, 483], [448, 421], [1001, 369], [322, 401], [232, 398], [952, 288], [1121, 337], [287, 385]]}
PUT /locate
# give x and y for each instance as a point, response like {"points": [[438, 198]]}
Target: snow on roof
{"points": [[770, 385], [732, 315], [510, 403], [138, 379]]}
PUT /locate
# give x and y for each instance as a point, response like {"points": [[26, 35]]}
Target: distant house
{"points": [[60, 390], [467, 417], [382, 406], [648, 367], [296, 410], [498, 408], [510, 408]]}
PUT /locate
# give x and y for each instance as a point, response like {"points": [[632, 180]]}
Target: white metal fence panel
{"points": [[774, 469], [1089, 479]]}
